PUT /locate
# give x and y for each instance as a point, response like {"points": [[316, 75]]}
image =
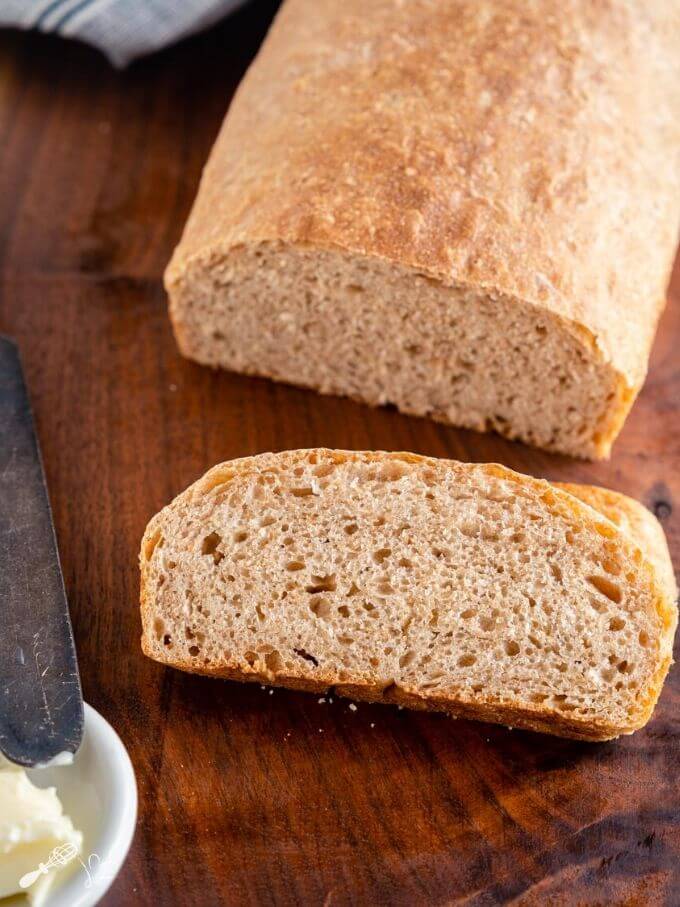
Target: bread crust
{"points": [[569, 501], [552, 180]]}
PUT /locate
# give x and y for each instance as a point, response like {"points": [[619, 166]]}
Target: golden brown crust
{"points": [[550, 180], [589, 507]]}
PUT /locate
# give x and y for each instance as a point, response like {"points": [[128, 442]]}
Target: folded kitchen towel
{"points": [[121, 29]]}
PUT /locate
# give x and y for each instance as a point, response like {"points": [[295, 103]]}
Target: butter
{"points": [[32, 824]]}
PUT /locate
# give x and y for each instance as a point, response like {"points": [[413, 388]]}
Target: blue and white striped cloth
{"points": [[122, 29]]}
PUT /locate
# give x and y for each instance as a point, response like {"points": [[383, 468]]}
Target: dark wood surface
{"points": [[246, 797]]}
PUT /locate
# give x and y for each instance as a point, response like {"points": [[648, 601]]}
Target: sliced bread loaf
{"points": [[468, 209], [464, 588]]}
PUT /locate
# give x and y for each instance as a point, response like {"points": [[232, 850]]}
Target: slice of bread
{"points": [[464, 588]]}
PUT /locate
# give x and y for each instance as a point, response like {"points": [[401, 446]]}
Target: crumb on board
{"points": [[352, 707]]}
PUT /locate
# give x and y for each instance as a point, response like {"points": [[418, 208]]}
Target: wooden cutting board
{"points": [[249, 796]]}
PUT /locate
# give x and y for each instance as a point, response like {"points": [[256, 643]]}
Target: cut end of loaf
{"points": [[383, 334], [397, 578]]}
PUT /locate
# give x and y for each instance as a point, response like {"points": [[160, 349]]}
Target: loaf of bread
{"points": [[433, 584], [468, 209]]}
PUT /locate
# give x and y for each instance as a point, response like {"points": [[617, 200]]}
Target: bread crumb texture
{"points": [[429, 583]]}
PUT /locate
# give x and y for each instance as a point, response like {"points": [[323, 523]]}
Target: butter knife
{"points": [[41, 703]]}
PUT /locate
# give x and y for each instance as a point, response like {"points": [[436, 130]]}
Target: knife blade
{"points": [[41, 703]]}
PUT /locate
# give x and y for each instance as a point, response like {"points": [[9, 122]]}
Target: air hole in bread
{"points": [[405, 563], [250, 657], [393, 470], [323, 469], [611, 567], [273, 660], [511, 647], [468, 613], [466, 661], [216, 479], [440, 553], [240, 536], [152, 543], [267, 521], [307, 657], [320, 606], [384, 588], [346, 640], [343, 610], [644, 638], [556, 572], [351, 528], [604, 529], [381, 555], [617, 623], [194, 651], [487, 623], [596, 604], [209, 546], [259, 612], [304, 492], [322, 584], [406, 659], [293, 566], [606, 587]]}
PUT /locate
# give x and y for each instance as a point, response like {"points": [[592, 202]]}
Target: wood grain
{"points": [[247, 797]]}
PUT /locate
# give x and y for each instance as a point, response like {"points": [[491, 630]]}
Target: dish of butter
{"points": [[35, 836]]}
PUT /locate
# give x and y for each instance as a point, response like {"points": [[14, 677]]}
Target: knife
{"points": [[41, 703]]}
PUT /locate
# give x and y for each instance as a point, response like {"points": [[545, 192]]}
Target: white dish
{"points": [[98, 791]]}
